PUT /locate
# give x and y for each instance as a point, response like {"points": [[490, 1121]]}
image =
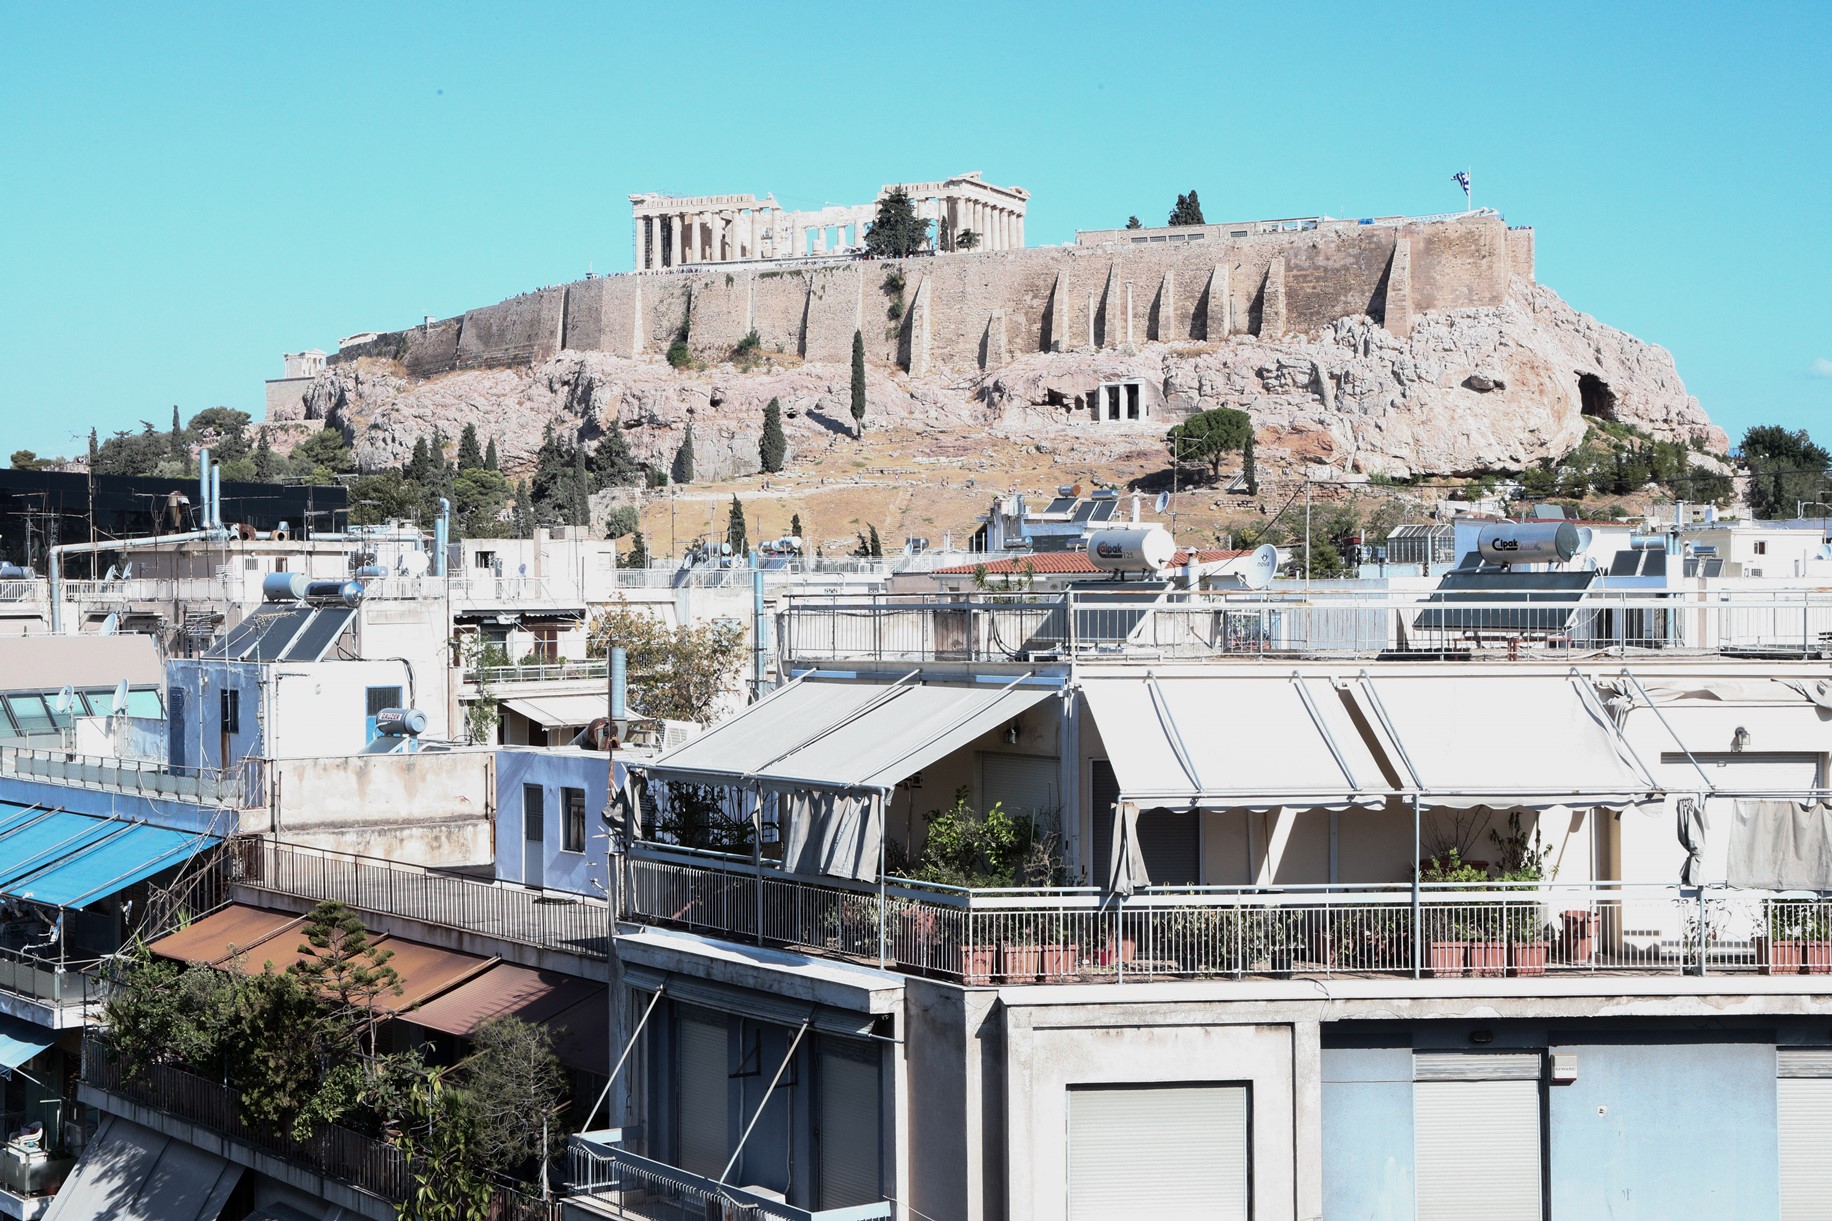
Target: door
{"points": [[1803, 1118], [534, 835], [849, 1119], [702, 1078], [770, 1149], [1169, 1152], [1026, 785], [1169, 840], [1476, 1126]]}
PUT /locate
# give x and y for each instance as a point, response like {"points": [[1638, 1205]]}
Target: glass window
{"points": [[145, 704], [30, 713], [99, 702], [232, 712], [575, 819]]}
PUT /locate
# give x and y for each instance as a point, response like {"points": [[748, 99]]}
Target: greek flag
{"points": [[1462, 179]]}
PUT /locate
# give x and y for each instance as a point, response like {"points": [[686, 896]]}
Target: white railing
{"points": [[242, 785], [1341, 623], [1021, 936], [538, 672], [23, 591], [157, 589], [647, 1190]]}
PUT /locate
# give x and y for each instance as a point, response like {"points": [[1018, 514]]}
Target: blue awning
{"points": [[20, 1041], [62, 859]]}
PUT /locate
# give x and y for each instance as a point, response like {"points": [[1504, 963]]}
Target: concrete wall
{"points": [[981, 308], [1367, 1133], [579, 873], [424, 809]]}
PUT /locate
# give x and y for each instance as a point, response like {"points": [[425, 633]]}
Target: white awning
{"points": [[561, 711], [837, 734], [131, 1173], [1227, 740], [1503, 740]]}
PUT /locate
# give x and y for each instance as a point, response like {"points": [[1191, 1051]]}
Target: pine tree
{"points": [[1188, 211], [1132, 222], [897, 232], [489, 457], [612, 464], [735, 533], [470, 456], [875, 547], [858, 382], [1247, 469], [639, 552], [774, 447], [266, 465], [795, 524], [683, 459], [524, 511], [579, 503]]}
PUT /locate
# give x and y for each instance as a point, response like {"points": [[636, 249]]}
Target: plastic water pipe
{"points": [[620, 684], [441, 531], [54, 568], [203, 488]]}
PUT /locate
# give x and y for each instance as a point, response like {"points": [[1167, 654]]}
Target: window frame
{"points": [[571, 815]]}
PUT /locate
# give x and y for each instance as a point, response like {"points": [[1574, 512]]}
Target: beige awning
{"points": [[561, 711]]}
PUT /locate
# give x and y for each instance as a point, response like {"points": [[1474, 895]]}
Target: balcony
{"points": [[532, 918], [54, 994], [241, 786], [538, 672], [637, 1188], [1080, 935], [1330, 624]]}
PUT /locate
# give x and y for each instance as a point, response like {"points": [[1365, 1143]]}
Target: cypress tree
{"points": [[683, 459], [579, 500], [489, 457], [774, 446], [94, 449], [876, 548], [266, 466], [639, 552], [795, 524], [612, 464], [858, 381], [524, 511], [470, 457], [1247, 470], [419, 467], [735, 533], [179, 448]]}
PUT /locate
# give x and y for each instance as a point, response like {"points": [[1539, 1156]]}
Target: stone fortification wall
{"points": [[977, 311]]}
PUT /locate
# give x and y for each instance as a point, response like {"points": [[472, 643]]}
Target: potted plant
{"points": [[1447, 932], [1580, 932], [1023, 956], [1816, 942], [1783, 950], [1523, 859]]}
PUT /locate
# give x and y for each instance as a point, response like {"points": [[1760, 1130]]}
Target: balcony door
{"points": [[534, 835]]}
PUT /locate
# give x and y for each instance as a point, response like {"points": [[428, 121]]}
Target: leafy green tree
{"points": [[439, 1144], [897, 232], [26, 460], [516, 1091], [1249, 472], [266, 462], [127, 453], [682, 471], [223, 429], [858, 382], [342, 962], [795, 524], [524, 511], [470, 454], [1188, 210], [479, 498], [1784, 468], [774, 447], [1209, 436], [734, 529], [675, 672], [280, 1048], [679, 354], [639, 552], [622, 520], [383, 496], [323, 456], [1132, 222], [579, 494], [966, 239], [613, 466]]}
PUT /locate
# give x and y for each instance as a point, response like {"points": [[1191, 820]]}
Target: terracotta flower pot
{"points": [[1819, 957], [1059, 961], [1488, 957], [977, 963], [1529, 957], [1779, 957], [1580, 929], [1128, 951], [1023, 963], [1448, 958]]}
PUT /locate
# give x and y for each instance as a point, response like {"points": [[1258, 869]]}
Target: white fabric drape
{"points": [[832, 833], [1778, 845], [1126, 866]]}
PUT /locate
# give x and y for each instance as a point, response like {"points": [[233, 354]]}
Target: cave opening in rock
{"points": [[1595, 398]]}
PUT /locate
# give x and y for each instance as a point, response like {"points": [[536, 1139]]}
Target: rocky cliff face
{"points": [[1467, 390]]}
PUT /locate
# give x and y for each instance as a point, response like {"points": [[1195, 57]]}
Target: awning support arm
{"points": [[1329, 739], [822, 731], [1588, 696], [1418, 931], [627, 1048], [1171, 733], [954, 725], [758, 1113], [1668, 726], [1386, 723]]}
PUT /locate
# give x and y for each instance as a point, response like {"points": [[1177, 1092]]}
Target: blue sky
{"points": [[192, 189]]}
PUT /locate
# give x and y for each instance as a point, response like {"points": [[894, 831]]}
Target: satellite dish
{"points": [[1163, 501], [110, 575], [111, 625], [1585, 536], [1262, 567], [64, 699], [127, 570], [1820, 693], [120, 698]]}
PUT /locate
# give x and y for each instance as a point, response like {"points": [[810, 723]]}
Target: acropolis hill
{"points": [[1384, 346]]}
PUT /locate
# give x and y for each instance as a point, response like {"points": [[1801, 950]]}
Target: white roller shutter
{"points": [[1477, 1149], [703, 1096], [1027, 785], [1749, 771], [1803, 1116], [850, 1119], [1171, 1153]]}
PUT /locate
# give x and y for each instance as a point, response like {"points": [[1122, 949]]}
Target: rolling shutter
{"points": [[1171, 1153], [1803, 1106], [850, 1118], [1468, 1131], [1027, 785], [1752, 771], [703, 1076], [1171, 841]]}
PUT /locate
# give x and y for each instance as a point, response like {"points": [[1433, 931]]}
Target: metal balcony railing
{"points": [[1342, 624], [642, 1189], [509, 913], [242, 785], [44, 982], [1063, 934], [537, 672]]}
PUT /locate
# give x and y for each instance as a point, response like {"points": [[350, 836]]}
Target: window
{"points": [[232, 712], [848, 1112], [30, 713], [573, 802], [1133, 410], [702, 1077], [1193, 1138], [1476, 1119], [482, 559], [534, 813], [1803, 1113], [1761, 547], [145, 704]]}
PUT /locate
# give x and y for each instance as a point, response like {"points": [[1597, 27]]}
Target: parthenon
{"points": [[678, 231]]}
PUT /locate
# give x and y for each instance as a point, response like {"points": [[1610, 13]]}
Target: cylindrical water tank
{"points": [[400, 722], [284, 586], [1538, 542], [1132, 549], [371, 571], [347, 592]]}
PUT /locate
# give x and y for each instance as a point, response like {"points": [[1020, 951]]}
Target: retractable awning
{"points": [[131, 1173], [21, 1040], [505, 990], [231, 932], [1226, 740], [1503, 740], [62, 859], [560, 711], [838, 735]]}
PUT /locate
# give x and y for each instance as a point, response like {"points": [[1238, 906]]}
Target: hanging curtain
{"points": [[1126, 870], [1692, 829], [1778, 845], [833, 833]]}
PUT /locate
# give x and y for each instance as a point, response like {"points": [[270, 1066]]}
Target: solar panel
{"points": [[231, 643], [281, 629], [1085, 510], [1062, 504], [1625, 564], [1655, 565], [320, 634], [1492, 601]]}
